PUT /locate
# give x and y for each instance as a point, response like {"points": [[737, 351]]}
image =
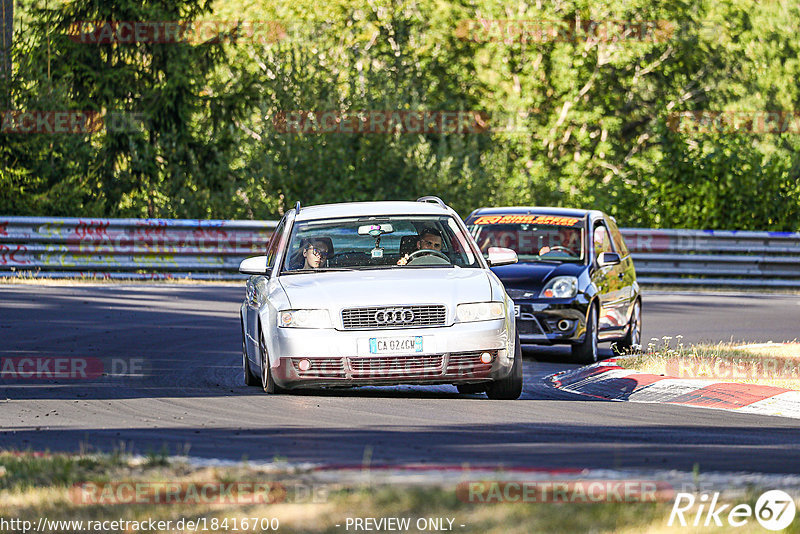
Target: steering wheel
{"points": [[422, 251], [559, 248]]}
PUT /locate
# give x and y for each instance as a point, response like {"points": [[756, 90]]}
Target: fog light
{"points": [[486, 358], [563, 324], [304, 365]]}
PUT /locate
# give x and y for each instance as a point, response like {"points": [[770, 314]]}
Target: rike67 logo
{"points": [[774, 510]]}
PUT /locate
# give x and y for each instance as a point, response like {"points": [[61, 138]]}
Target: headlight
{"points": [[480, 311], [560, 287], [304, 319]]}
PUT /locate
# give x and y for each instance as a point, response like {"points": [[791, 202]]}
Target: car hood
{"points": [[534, 275], [338, 290]]}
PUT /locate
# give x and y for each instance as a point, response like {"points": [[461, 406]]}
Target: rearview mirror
{"points": [[608, 258], [375, 230], [501, 256], [255, 265]]}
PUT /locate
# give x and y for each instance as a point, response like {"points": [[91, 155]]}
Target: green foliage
{"points": [[593, 118]]}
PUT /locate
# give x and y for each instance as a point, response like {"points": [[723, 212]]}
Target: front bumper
{"points": [[538, 320], [449, 355]]}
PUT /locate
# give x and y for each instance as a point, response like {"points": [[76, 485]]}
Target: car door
{"points": [[608, 281], [626, 271], [255, 291]]}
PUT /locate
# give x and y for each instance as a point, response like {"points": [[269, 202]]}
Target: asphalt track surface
{"points": [[191, 399]]}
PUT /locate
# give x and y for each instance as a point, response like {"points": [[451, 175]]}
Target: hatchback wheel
{"points": [[586, 352], [633, 340]]}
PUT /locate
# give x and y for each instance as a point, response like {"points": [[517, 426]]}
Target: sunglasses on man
{"points": [[320, 253]]}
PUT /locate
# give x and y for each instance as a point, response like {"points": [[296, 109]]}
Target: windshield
{"points": [[533, 237], [399, 242]]}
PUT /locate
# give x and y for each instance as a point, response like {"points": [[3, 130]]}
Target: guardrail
{"points": [[128, 248], [715, 257], [212, 249]]}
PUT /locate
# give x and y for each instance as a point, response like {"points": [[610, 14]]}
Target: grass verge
{"points": [[34, 486]]}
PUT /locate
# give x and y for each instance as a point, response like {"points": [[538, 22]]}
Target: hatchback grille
{"points": [[529, 327], [393, 317]]}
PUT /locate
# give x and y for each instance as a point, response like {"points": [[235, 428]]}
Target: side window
{"points": [[602, 242], [272, 248], [619, 241]]}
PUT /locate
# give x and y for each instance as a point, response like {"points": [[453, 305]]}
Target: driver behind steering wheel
{"points": [[569, 241], [429, 239]]}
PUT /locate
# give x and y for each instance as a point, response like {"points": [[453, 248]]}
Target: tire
{"points": [[586, 352], [249, 378], [470, 389], [267, 383], [634, 336], [509, 388]]}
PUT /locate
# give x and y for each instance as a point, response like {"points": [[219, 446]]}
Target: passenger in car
{"points": [[429, 239], [315, 253]]}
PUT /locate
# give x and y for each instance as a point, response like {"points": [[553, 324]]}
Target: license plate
{"points": [[395, 345], [516, 310]]}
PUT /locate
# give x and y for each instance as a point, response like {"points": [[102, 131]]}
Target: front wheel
{"points": [[633, 340], [267, 382], [509, 388], [586, 352], [249, 378]]}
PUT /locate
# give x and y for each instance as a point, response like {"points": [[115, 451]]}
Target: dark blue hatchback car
{"points": [[575, 282]]}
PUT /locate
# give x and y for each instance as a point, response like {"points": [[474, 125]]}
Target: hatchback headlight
{"points": [[304, 319], [480, 311], [560, 287]]}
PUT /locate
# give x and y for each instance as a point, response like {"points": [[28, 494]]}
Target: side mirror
{"points": [[501, 256], [255, 265], [608, 258]]}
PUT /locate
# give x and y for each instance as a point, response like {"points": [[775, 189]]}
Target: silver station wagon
{"points": [[378, 293]]}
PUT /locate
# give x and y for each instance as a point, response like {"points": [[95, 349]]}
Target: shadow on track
{"points": [[550, 444]]}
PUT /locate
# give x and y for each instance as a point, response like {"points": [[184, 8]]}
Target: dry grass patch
{"points": [[32, 487]]}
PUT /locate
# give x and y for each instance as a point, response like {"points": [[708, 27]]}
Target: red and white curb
{"points": [[607, 380]]}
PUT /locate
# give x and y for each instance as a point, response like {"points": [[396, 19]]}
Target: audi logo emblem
{"points": [[394, 316]]}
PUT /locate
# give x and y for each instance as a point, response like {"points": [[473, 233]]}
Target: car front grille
{"points": [[393, 317], [371, 366], [459, 365]]}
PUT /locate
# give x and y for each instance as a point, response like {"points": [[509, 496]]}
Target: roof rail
{"points": [[297, 208], [433, 199]]}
